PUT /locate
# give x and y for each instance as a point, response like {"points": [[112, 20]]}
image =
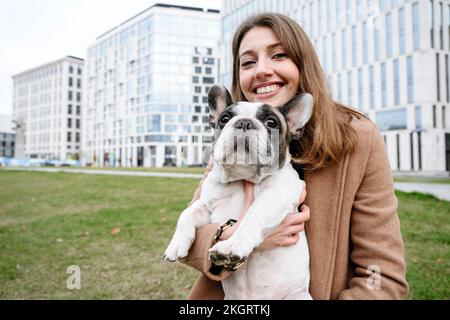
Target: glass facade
{"points": [[146, 75], [391, 119]]}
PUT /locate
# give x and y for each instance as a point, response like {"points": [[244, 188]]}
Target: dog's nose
{"points": [[244, 124]]}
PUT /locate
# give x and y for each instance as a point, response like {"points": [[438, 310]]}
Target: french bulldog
{"points": [[251, 142]]}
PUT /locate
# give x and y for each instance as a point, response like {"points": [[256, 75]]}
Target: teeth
{"points": [[267, 89]]}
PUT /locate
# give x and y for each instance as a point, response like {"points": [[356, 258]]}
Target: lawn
{"points": [[115, 228]]}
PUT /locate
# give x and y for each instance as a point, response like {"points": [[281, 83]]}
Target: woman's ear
{"points": [[298, 112], [218, 100]]}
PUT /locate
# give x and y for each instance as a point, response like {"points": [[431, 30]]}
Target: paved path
{"points": [[114, 172], [440, 191]]}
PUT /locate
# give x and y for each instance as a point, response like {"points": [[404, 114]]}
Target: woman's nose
{"points": [[263, 69]]}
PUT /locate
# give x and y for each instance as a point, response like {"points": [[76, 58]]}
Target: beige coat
{"points": [[353, 225]]}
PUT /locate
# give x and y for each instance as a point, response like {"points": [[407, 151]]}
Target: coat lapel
{"points": [[325, 189]]}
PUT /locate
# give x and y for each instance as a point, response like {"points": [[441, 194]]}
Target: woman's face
{"points": [[266, 72]]}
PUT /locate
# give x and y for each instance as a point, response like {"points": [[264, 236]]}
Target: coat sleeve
{"points": [[377, 251], [198, 253]]}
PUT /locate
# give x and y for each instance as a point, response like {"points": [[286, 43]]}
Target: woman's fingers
{"points": [[297, 218]]}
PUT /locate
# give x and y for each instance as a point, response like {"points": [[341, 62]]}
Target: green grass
{"points": [[425, 223], [50, 221], [418, 179]]}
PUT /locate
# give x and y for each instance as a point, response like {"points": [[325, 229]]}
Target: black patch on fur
{"points": [[264, 112]]}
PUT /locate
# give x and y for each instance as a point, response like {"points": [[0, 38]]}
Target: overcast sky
{"points": [[34, 32]]}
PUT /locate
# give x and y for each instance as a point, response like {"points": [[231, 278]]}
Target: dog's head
{"points": [[252, 139]]}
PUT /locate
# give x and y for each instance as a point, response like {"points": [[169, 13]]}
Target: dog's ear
{"points": [[218, 100], [297, 112]]}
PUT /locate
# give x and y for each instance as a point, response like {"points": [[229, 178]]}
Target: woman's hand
{"points": [[286, 234]]}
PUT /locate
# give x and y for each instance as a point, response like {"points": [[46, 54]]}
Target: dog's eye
{"points": [[271, 123], [224, 119]]}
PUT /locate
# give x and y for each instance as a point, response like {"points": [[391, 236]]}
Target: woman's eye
{"points": [[246, 63], [271, 123], [280, 55]]}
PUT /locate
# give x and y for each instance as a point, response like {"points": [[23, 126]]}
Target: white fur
{"points": [[281, 273]]}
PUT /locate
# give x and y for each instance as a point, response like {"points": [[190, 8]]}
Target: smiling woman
{"points": [[353, 231]]}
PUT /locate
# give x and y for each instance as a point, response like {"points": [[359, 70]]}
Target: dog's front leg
{"points": [[264, 215], [191, 218]]}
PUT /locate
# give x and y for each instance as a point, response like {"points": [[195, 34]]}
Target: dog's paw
{"points": [[228, 252], [178, 247]]}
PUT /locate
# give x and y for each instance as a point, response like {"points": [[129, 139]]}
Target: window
{"points": [[198, 70], [432, 23], [443, 118], [418, 117], [208, 70], [79, 71], [350, 89], [77, 137], [389, 34], [208, 60], [205, 119], [69, 109], [78, 96], [349, 11], [372, 87], [438, 80], [354, 46], [334, 52], [383, 85], [205, 99], [360, 89], [194, 59], [447, 88], [70, 81], [391, 119], [376, 35], [434, 116], [195, 99], [154, 123], [208, 80], [77, 123], [339, 87], [70, 69], [410, 76], [441, 24], [416, 29], [401, 29], [396, 83], [198, 89], [344, 50], [78, 110], [79, 83], [198, 109], [70, 95], [365, 43], [69, 123], [195, 79], [69, 136]]}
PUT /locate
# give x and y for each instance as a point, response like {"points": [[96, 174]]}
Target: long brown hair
{"points": [[328, 136]]}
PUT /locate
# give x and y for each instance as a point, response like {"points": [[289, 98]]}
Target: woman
{"points": [[353, 230]]}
